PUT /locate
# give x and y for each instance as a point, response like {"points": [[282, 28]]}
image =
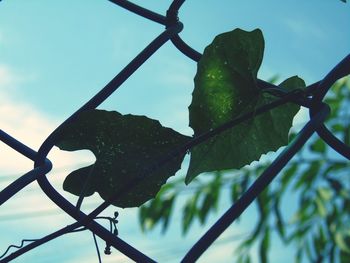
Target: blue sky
{"points": [[54, 55]]}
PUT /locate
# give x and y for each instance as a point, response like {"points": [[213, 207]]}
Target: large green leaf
{"points": [[225, 87], [124, 146]]}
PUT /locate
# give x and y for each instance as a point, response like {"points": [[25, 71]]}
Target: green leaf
{"points": [[75, 181], [236, 191], [167, 208], [299, 254], [336, 167], [211, 197], [324, 193], [287, 175], [337, 127], [321, 208], [263, 203], [205, 208], [319, 242], [225, 87], [304, 212], [318, 146], [244, 258], [344, 257], [125, 147], [342, 241], [190, 210], [159, 209], [264, 246], [279, 219], [308, 176]]}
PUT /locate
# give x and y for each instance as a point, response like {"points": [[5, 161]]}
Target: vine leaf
{"points": [[124, 146], [225, 87]]}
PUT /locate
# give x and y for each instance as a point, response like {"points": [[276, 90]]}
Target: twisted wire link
{"points": [[318, 112]]}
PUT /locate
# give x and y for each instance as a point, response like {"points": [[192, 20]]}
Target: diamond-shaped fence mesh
{"points": [[313, 101]]}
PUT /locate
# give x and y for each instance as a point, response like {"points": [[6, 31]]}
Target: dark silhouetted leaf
{"points": [[125, 146], [225, 87]]}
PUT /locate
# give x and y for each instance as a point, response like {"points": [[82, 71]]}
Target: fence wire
{"points": [[317, 109]]}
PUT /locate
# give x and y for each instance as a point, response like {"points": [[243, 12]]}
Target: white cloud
{"points": [[20, 120], [27, 124], [24, 122]]}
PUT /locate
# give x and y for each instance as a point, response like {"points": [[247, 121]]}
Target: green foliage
{"points": [[124, 146], [198, 207], [128, 149], [319, 227], [226, 87]]}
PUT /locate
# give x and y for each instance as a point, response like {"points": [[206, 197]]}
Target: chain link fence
{"points": [[313, 101]]}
